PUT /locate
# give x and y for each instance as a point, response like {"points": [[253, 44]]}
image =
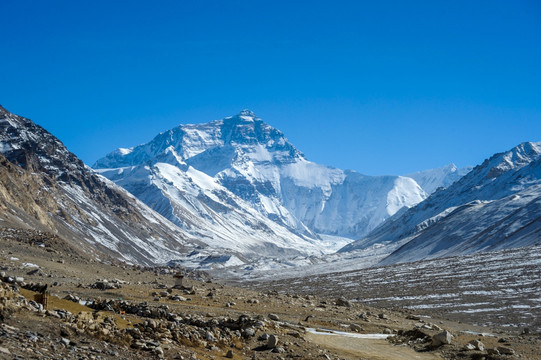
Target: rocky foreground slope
{"points": [[103, 311]]}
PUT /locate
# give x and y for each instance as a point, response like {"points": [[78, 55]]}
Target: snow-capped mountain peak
{"points": [[497, 205], [257, 172], [246, 115], [431, 180], [517, 157], [242, 134]]}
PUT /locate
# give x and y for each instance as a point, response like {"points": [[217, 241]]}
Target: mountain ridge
{"points": [[489, 197], [256, 162], [432, 179], [237, 192], [70, 199]]}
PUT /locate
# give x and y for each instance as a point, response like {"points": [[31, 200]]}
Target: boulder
{"points": [[477, 345], [506, 350], [248, 332], [342, 301], [272, 341], [442, 338], [35, 272], [363, 316]]}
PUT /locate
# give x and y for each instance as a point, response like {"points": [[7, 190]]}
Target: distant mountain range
{"points": [[235, 192], [431, 180], [497, 205]]}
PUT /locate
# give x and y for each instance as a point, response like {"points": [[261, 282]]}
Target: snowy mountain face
{"points": [[44, 186], [235, 192], [497, 205], [238, 183], [431, 180]]}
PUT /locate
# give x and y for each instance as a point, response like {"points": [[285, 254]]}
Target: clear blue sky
{"points": [[381, 87]]}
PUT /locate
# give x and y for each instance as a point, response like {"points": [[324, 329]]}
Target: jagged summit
{"points": [[246, 128], [431, 180], [27, 144], [242, 133], [247, 114], [243, 117], [517, 157], [254, 168]]}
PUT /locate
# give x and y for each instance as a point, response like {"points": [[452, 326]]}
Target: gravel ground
{"points": [[137, 313], [497, 289]]}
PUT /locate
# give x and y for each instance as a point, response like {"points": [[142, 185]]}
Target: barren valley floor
{"points": [[102, 310]]}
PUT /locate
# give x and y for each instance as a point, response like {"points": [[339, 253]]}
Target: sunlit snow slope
{"points": [[431, 180], [239, 183]]}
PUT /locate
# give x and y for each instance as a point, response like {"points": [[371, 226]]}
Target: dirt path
{"points": [[369, 349]]}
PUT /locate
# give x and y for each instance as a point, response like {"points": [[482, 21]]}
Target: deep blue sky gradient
{"points": [[381, 87]]}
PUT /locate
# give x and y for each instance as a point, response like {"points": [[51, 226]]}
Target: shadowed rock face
{"points": [[36, 150], [44, 185]]}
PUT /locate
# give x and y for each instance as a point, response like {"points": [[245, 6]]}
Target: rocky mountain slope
{"points": [[241, 171], [44, 186], [495, 206]]}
